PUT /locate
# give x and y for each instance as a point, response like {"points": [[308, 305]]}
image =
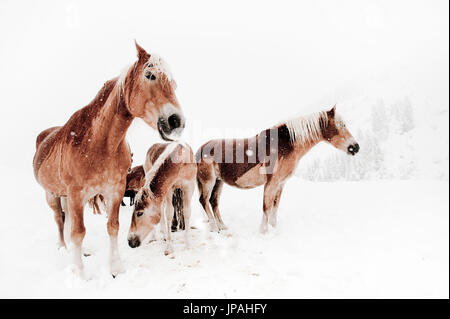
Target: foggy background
{"points": [[240, 66]]}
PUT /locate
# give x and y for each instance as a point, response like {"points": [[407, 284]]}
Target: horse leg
{"points": [[76, 208], [113, 208], [67, 219], [177, 202], [187, 192], [179, 210], [132, 198], [174, 226], [167, 220], [270, 191], [206, 180], [214, 201], [276, 203], [55, 204], [96, 206]]}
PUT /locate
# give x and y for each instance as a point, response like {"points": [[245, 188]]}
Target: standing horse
{"points": [[170, 172], [268, 159], [89, 155]]}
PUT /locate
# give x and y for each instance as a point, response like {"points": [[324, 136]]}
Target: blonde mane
{"points": [[122, 77], [155, 63], [306, 129], [159, 65], [155, 167]]}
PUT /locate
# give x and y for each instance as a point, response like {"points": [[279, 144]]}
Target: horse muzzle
{"points": [[353, 149], [171, 127], [134, 241]]}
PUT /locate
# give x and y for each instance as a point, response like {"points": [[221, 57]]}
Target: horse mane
{"points": [[157, 165], [80, 122], [122, 77], [306, 129], [157, 65]]}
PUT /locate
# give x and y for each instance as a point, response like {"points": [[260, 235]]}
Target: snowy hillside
{"points": [[370, 239]]}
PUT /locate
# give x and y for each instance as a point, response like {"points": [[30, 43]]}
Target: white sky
{"points": [[238, 64]]}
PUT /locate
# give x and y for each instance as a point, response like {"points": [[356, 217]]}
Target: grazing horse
{"points": [[170, 171], [268, 159], [89, 155]]}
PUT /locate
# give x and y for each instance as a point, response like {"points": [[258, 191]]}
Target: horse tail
{"points": [[178, 214]]}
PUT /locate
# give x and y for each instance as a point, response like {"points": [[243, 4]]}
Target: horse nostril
{"points": [[174, 121], [134, 242]]}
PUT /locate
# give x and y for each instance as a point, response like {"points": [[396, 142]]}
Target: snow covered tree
{"points": [[380, 120], [404, 115]]}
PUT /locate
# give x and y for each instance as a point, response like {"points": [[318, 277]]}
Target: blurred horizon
{"points": [[240, 66]]}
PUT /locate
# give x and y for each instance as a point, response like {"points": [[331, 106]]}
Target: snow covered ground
{"points": [[347, 239]]}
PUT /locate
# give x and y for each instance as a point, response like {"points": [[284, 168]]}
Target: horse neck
{"points": [[302, 148], [115, 119]]}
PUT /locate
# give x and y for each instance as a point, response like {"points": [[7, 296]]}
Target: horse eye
{"points": [[150, 65], [150, 76], [139, 214]]}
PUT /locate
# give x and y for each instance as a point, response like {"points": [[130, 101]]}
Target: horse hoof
{"points": [[168, 251], [116, 267], [213, 227]]}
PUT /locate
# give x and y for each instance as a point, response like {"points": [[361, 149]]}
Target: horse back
{"points": [[45, 143], [44, 134]]}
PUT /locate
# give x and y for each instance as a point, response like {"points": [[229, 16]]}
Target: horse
{"points": [[89, 155], [135, 181], [268, 159], [170, 171]]}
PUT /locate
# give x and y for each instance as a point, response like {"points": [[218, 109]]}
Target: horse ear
{"points": [[332, 112], [141, 53]]}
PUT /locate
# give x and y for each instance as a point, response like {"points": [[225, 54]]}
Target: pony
{"points": [[135, 181], [88, 155], [268, 159], [170, 171]]}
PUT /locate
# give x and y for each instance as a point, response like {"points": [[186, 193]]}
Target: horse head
{"points": [[336, 133], [149, 92]]}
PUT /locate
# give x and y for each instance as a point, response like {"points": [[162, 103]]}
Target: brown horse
{"points": [[89, 155], [170, 170], [268, 159], [135, 181]]}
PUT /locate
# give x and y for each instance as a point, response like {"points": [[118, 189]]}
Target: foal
{"points": [[268, 159], [169, 169], [89, 155]]}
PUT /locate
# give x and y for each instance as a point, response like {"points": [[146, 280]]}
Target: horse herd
{"points": [[89, 160]]}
